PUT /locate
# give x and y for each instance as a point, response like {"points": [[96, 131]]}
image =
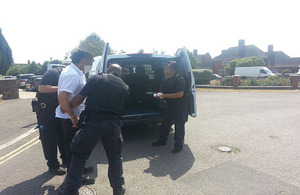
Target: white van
{"points": [[95, 66], [257, 71]]}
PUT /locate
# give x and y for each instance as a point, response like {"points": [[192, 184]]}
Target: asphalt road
{"points": [[260, 127]]}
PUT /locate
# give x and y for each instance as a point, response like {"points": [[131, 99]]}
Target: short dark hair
{"points": [[173, 65], [79, 54]]}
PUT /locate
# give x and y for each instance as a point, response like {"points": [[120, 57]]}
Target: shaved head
{"points": [[115, 68]]}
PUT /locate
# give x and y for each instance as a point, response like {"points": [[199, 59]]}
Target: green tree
{"points": [[193, 59], [94, 44], [34, 68], [230, 67], [16, 69], [6, 59], [244, 62]]}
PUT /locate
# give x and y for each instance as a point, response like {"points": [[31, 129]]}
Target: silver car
{"points": [[22, 78]]}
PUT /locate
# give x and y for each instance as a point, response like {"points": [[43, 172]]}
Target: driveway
{"points": [[260, 127]]}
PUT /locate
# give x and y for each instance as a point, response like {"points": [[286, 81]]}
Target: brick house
{"points": [[204, 61], [276, 61], [241, 51]]}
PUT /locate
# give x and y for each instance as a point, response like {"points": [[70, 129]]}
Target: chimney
{"points": [[195, 52], [270, 49], [242, 49], [271, 56]]}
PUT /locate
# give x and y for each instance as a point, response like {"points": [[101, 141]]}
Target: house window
{"points": [[224, 62], [222, 72]]}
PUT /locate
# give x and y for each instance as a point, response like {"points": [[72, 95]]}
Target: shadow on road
{"points": [[32, 186], [175, 165], [32, 124], [137, 145]]}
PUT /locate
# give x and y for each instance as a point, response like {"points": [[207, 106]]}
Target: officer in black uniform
{"points": [[173, 89], [106, 94], [51, 134]]}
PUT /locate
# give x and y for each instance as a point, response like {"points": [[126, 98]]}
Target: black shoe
{"points": [[87, 170], [64, 191], [159, 143], [87, 180], [119, 191], [58, 171], [176, 150]]}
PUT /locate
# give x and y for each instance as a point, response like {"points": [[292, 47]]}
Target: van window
{"points": [[263, 71]]}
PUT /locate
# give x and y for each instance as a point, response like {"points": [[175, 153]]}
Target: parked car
{"points": [[256, 71], [33, 82], [50, 66], [21, 79], [216, 77], [8, 77], [143, 73]]}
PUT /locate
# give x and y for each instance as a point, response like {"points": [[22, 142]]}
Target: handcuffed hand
{"points": [[159, 95], [75, 121]]}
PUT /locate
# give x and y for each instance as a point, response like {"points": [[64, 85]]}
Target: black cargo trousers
{"points": [[51, 136], [109, 132], [174, 114]]}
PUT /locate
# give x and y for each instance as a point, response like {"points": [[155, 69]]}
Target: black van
{"points": [[143, 73]]}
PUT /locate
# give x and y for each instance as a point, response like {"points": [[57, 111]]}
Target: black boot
{"points": [[57, 171], [64, 191], [119, 190], [87, 170]]}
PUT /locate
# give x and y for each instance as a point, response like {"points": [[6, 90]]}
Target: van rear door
{"points": [[104, 58], [185, 68]]}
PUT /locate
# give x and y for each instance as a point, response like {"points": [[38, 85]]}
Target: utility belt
{"points": [[37, 106], [96, 116]]}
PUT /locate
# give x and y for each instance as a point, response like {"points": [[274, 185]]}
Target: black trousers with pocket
{"points": [[51, 136], [109, 132], [69, 133], [178, 115]]}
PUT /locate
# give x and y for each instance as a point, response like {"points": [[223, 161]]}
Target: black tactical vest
{"points": [[112, 95]]}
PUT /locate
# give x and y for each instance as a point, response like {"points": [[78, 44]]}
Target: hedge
{"points": [[202, 76]]}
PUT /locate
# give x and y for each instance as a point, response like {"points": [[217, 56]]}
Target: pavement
{"points": [[260, 127]]}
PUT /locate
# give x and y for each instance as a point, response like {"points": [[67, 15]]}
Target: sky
{"points": [[38, 30]]}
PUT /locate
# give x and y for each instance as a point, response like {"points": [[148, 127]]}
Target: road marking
{"points": [[13, 155], [3, 157], [17, 138]]}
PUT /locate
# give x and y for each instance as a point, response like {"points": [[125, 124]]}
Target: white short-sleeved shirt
{"points": [[71, 80]]}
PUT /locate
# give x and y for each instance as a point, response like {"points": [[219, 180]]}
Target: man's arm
{"points": [[47, 89], [170, 96], [77, 100], [63, 98]]}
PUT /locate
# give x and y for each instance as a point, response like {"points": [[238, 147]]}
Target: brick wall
{"points": [[217, 66], [9, 89]]}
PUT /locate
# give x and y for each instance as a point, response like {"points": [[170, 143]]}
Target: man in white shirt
{"points": [[70, 83]]}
